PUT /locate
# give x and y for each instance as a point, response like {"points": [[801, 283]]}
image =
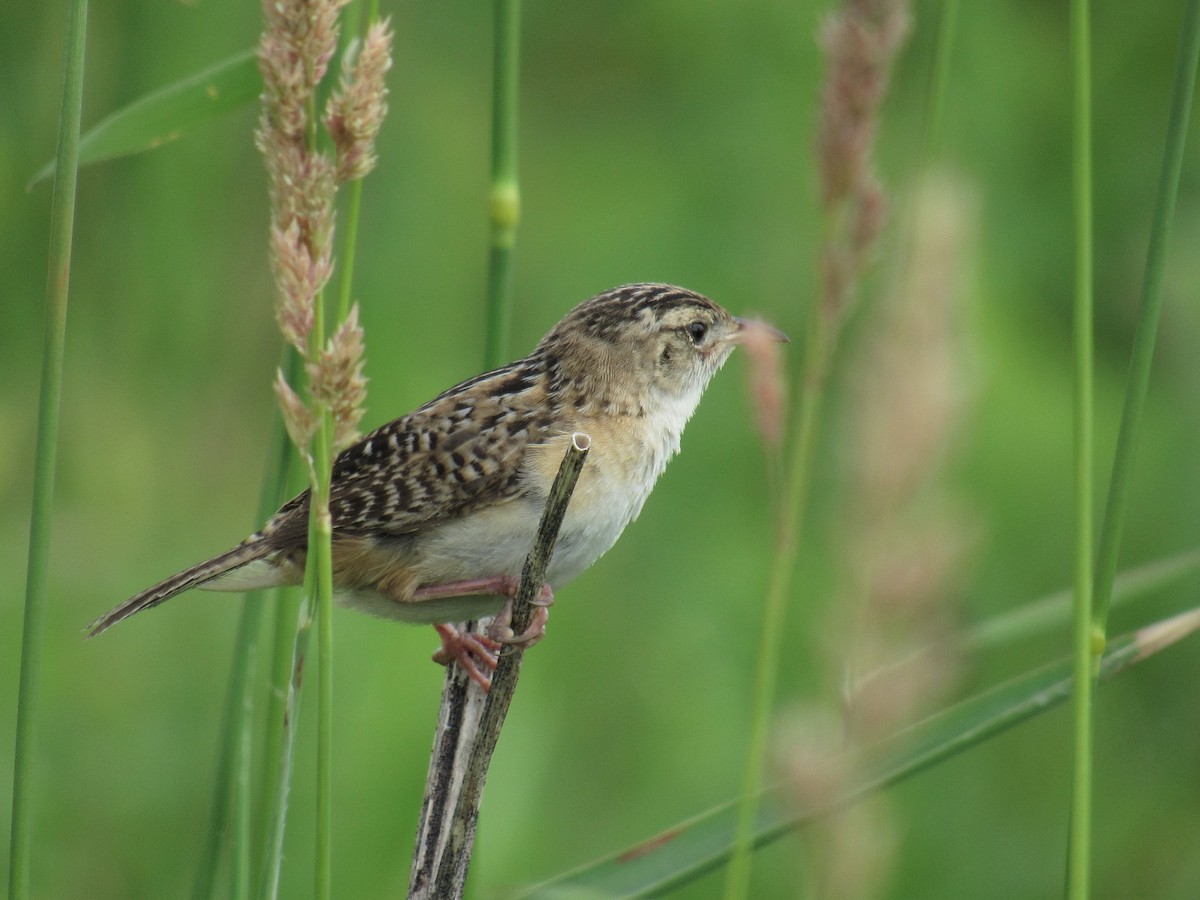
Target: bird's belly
{"points": [[497, 540]]}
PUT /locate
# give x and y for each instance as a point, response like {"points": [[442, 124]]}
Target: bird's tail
{"points": [[200, 574]]}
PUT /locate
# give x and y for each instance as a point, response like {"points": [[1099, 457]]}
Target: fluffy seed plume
{"points": [[298, 41], [768, 386], [860, 41], [906, 540], [296, 417], [298, 277], [355, 111], [338, 382], [296, 45]]}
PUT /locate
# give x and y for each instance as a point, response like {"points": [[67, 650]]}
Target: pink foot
{"points": [[470, 651], [501, 628]]}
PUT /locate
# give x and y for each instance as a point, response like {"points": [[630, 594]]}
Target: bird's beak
{"points": [[756, 329]]}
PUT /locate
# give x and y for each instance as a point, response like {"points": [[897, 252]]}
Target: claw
{"points": [[470, 651], [474, 652], [501, 630]]}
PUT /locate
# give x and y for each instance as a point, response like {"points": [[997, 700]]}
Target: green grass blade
{"points": [[62, 223], [231, 786], [1147, 323], [1054, 610], [169, 112], [692, 848], [1083, 640], [505, 199]]}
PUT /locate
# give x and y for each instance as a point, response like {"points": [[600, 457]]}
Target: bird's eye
{"points": [[697, 330]]}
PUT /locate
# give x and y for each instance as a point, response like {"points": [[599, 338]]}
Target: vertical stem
{"points": [[62, 221], [276, 752], [1079, 849], [354, 203], [779, 585], [504, 205], [1147, 324], [232, 784], [318, 584], [321, 583], [277, 812], [947, 23], [461, 706], [448, 880]]}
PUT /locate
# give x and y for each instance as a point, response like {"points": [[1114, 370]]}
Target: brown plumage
{"points": [[449, 495]]}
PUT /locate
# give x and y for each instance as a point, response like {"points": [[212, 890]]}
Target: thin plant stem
{"points": [[1079, 846], [240, 752], [850, 233], [276, 826], [318, 589], [450, 876], [504, 204], [779, 585], [232, 785], [62, 221], [354, 201], [1112, 526], [320, 537], [280, 731], [287, 614], [318, 585], [461, 708], [947, 24], [304, 181]]}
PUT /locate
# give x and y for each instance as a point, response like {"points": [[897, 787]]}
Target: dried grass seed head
{"points": [[355, 112], [338, 382]]}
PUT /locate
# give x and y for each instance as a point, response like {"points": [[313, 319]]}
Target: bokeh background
{"points": [[659, 141]]}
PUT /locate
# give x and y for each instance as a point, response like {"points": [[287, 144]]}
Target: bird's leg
{"points": [[470, 651]]}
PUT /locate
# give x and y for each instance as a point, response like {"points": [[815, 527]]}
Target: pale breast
{"points": [[625, 460]]}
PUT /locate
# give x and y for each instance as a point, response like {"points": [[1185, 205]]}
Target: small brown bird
{"points": [[434, 513]]}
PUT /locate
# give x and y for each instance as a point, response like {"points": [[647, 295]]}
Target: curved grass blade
{"points": [[164, 115], [1054, 610], [697, 846]]}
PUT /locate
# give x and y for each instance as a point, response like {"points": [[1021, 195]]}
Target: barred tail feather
{"points": [[197, 576]]}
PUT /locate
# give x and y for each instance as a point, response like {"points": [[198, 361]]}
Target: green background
{"points": [[665, 141]]}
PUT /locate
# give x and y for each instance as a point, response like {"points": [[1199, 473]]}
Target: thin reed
{"points": [[860, 41], [58, 279]]}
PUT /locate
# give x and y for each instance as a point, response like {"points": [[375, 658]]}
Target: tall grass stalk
{"points": [[62, 222], [450, 879], [318, 583], [268, 888], [321, 540], [462, 705], [1080, 838], [504, 202], [298, 41], [939, 82], [367, 12], [779, 584], [1112, 526], [859, 42], [233, 783]]}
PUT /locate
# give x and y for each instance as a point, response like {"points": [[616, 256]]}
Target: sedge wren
{"points": [[434, 513]]}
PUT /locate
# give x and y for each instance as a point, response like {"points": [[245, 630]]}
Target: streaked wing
{"points": [[461, 451]]}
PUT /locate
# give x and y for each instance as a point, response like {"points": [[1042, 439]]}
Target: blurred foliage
{"points": [[659, 141]]}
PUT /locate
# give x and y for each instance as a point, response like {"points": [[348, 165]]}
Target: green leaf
{"points": [[699, 845], [1054, 610], [165, 114]]}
